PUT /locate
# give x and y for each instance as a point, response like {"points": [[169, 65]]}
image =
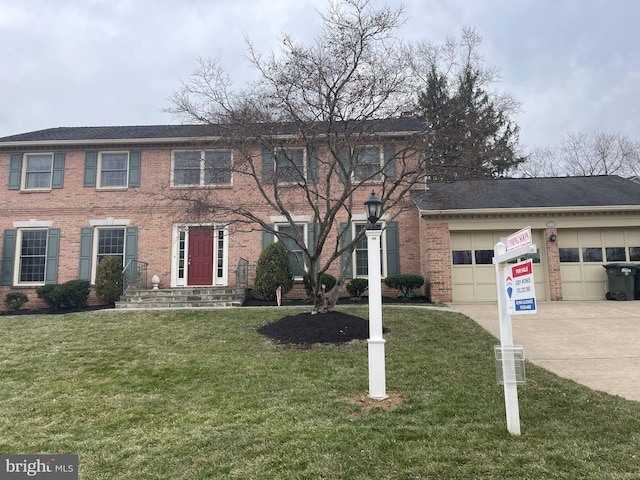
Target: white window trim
{"points": [[23, 177], [99, 171], [305, 232], [202, 168], [17, 256], [305, 164], [383, 245]]}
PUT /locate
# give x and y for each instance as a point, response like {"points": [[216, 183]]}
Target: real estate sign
{"points": [[520, 288]]}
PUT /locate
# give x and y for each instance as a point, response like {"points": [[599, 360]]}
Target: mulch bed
{"points": [[306, 329]]}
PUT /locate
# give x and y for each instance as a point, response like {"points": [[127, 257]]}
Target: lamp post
{"points": [[377, 383]]}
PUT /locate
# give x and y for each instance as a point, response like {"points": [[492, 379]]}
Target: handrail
{"points": [[134, 273]]}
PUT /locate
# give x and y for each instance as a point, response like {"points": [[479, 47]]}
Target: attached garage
{"points": [[579, 224]]}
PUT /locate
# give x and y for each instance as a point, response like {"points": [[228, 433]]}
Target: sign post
{"points": [[514, 296]]}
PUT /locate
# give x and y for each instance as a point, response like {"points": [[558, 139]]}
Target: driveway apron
{"points": [[594, 343]]}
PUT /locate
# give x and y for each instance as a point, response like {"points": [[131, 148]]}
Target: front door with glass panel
{"points": [[200, 256]]}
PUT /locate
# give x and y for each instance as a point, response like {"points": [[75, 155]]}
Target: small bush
{"points": [[329, 281], [71, 294], [52, 294], [404, 282], [273, 270], [109, 280], [14, 301], [76, 293], [357, 287]]}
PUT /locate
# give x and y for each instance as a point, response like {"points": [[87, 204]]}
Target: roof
{"points": [[172, 132], [595, 191]]}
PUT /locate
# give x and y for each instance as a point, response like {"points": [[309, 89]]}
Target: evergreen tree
{"points": [[471, 136]]}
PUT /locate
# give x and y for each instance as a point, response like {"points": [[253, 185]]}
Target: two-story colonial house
{"points": [[72, 196]]}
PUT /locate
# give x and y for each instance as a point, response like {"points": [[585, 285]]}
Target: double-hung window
{"points": [[110, 242], [114, 169], [369, 163], [202, 168], [38, 171], [290, 165], [287, 236], [32, 255]]}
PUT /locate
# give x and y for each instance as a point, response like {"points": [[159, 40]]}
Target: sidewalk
{"points": [[595, 343]]}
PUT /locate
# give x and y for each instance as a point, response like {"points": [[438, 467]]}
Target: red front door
{"points": [[200, 265]]}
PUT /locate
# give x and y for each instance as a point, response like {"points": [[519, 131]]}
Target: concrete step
{"points": [[182, 298]]}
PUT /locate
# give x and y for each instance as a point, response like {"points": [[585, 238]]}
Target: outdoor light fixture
{"points": [[553, 237], [373, 207], [377, 380]]}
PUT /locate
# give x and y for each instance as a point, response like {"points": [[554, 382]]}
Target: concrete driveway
{"points": [[595, 343]]}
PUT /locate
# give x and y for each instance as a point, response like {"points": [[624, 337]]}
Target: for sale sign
{"points": [[520, 288]]}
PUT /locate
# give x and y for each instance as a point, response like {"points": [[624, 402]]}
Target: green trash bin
{"points": [[621, 278]]}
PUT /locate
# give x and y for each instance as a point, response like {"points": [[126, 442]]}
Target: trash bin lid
{"points": [[631, 266]]}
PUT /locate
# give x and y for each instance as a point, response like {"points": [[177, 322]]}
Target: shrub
{"points": [[14, 301], [76, 293], [357, 287], [404, 282], [109, 280], [52, 294], [329, 281], [71, 294], [273, 270]]}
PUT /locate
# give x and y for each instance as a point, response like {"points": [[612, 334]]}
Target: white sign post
{"points": [[514, 247]]}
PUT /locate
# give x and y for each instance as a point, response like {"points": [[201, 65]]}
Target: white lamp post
{"points": [[377, 383]]}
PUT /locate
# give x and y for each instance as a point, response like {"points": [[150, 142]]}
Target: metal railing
{"points": [[134, 274]]}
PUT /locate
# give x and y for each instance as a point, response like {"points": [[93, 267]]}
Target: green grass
{"points": [[201, 395]]}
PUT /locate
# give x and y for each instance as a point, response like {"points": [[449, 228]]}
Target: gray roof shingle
{"points": [[595, 191], [142, 132]]}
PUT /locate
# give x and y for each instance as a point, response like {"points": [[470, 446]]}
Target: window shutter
{"points": [[86, 245], [393, 254], [345, 240], [267, 165], [8, 254], [131, 245], [134, 169], [267, 238], [311, 236], [57, 179], [15, 171], [53, 250], [390, 162], [312, 167], [344, 162], [90, 168]]}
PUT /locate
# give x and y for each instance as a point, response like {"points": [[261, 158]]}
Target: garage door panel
{"points": [[462, 275]]}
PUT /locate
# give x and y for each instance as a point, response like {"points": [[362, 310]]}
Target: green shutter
{"points": [[15, 171], [345, 240], [134, 169], [86, 247], [390, 162], [57, 180], [267, 238], [344, 161], [53, 250], [90, 168], [8, 255], [267, 165], [131, 245], [393, 254], [312, 168]]}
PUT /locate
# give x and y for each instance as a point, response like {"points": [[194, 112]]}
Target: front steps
{"points": [[190, 297]]}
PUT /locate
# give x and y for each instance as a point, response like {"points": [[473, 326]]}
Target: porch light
{"points": [[373, 207]]}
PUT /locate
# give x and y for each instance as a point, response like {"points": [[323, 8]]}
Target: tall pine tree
{"points": [[472, 136]]}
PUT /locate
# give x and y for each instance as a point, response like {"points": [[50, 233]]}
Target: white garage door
{"points": [[473, 273], [584, 252]]}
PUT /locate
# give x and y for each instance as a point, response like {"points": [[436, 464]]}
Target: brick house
{"points": [[74, 195]]}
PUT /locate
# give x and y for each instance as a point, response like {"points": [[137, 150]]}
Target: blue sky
{"points": [[573, 65]]}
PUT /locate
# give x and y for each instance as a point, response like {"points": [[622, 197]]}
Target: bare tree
{"points": [[309, 136], [581, 154]]}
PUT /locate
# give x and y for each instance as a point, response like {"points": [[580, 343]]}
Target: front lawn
{"points": [[201, 394]]}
